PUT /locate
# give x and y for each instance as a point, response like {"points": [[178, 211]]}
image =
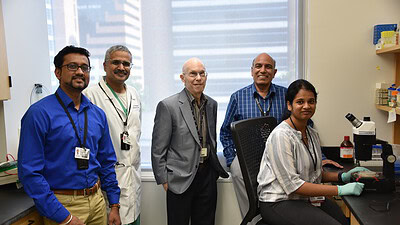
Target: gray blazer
{"points": [[175, 148]]}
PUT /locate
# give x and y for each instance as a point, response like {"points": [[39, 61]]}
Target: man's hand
{"points": [[165, 186], [74, 221], [113, 217], [328, 161]]}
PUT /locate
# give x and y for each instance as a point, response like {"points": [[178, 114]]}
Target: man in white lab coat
{"points": [[122, 106]]}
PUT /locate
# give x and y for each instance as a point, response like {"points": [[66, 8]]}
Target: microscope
{"points": [[364, 136]]}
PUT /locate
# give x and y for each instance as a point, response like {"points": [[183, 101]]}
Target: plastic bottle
{"points": [[393, 100], [353, 120], [347, 150], [390, 94], [398, 97]]}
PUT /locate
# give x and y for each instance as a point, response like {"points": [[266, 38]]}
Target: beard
{"points": [[76, 86]]}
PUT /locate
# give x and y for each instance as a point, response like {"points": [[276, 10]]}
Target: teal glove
{"points": [[347, 176], [350, 189]]}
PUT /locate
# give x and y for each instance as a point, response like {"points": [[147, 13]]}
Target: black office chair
{"points": [[249, 137]]}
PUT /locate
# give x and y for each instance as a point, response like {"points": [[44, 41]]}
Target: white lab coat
{"points": [[128, 172]]}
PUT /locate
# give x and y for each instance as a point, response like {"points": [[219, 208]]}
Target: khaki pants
{"points": [[91, 210]]}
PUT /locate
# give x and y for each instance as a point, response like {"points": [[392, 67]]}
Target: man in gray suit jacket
{"points": [[183, 150]]}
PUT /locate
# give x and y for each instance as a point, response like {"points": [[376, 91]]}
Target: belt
{"points": [[84, 192]]}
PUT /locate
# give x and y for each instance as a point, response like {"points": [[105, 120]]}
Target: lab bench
{"points": [[17, 207]]}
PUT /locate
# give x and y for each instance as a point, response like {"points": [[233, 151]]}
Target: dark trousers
{"points": [[296, 212], [198, 203]]}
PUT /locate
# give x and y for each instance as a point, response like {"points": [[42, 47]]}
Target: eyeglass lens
{"points": [[195, 74], [74, 67]]}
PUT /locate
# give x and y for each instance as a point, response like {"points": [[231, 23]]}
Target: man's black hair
{"points": [[59, 58]]}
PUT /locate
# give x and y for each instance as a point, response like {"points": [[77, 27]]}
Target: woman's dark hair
{"points": [[59, 58], [292, 91]]}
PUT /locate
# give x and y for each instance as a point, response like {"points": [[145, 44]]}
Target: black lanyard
{"points": [[259, 105], [129, 110], [73, 124], [309, 152], [202, 114]]}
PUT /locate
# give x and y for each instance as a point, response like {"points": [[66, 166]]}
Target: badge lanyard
{"points": [[200, 124], [260, 108], [201, 128], [122, 105], [312, 142], [73, 124]]}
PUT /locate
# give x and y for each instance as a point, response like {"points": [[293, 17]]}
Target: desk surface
{"points": [[15, 204], [360, 206]]}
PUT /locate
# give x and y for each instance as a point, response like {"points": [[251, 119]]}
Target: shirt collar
{"points": [[203, 98], [271, 90], [67, 100]]}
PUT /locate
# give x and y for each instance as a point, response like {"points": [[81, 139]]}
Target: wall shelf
{"points": [[387, 108], [394, 49]]}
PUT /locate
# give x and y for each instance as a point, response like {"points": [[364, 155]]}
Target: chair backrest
{"points": [[249, 137]]}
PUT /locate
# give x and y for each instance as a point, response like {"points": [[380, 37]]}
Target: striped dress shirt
{"points": [[242, 105], [287, 164]]}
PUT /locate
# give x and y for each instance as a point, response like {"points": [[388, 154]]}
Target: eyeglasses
{"points": [[74, 67], [195, 74], [124, 63]]}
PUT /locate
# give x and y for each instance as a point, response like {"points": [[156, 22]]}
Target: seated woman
{"points": [[291, 172]]}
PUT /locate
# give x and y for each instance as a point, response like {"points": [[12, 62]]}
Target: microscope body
{"points": [[364, 138]]}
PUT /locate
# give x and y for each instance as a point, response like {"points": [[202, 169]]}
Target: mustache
{"points": [[78, 76], [117, 71]]}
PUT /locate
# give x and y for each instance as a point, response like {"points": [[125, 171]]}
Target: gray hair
{"points": [[115, 48]]}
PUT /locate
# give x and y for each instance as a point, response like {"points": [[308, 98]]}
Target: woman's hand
{"points": [[346, 177], [350, 189], [331, 162]]}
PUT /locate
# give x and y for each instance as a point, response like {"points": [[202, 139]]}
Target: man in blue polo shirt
{"points": [[65, 152]]}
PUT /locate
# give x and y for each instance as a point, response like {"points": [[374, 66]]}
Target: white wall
{"points": [[341, 63], [28, 59]]}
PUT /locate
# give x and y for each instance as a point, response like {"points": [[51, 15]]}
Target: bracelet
{"points": [[116, 205], [339, 177], [69, 220]]}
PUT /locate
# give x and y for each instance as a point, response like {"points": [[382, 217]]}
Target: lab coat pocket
{"points": [[123, 179]]}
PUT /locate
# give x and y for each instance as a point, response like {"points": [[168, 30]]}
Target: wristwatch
{"points": [[117, 205]]}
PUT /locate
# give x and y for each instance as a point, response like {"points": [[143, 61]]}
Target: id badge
{"points": [[203, 152], [82, 153], [317, 200], [125, 138], [125, 141]]}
